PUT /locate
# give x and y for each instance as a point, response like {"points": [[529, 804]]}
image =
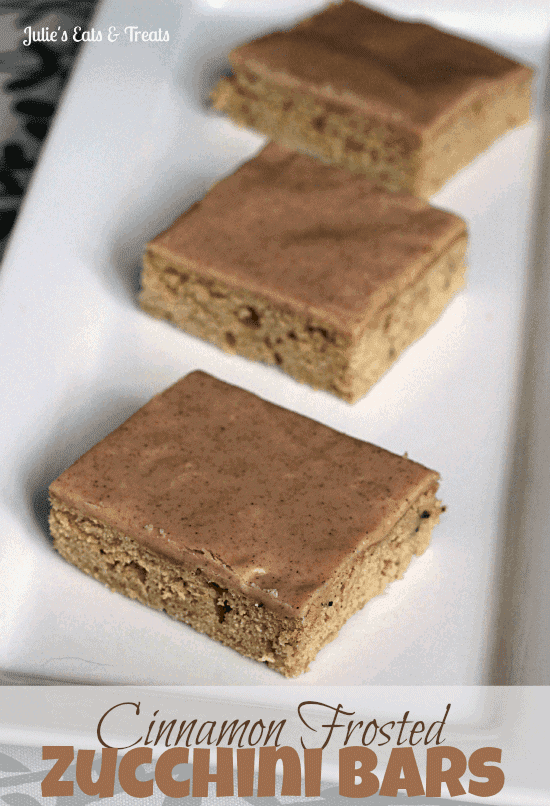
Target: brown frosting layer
{"points": [[261, 498], [317, 239], [408, 73]]}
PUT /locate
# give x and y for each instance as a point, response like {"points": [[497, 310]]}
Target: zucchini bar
{"points": [[255, 525], [308, 267], [405, 102]]}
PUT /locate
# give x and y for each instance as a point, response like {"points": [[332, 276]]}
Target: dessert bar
{"points": [[405, 102], [255, 525], [308, 267]]}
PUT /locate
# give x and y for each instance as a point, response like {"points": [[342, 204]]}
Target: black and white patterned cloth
{"points": [[32, 78]]}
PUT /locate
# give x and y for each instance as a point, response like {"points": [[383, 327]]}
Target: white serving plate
{"points": [[134, 144]]}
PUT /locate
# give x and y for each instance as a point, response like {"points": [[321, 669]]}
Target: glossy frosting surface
{"points": [[316, 238], [409, 73], [260, 497]]}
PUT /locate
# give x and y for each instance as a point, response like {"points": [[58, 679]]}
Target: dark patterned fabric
{"points": [[34, 76]]}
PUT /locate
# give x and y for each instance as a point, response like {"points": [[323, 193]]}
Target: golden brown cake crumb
{"points": [[253, 524], [405, 102], [308, 267]]}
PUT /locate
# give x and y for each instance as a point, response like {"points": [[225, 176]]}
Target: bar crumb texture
{"points": [[256, 526], [309, 267], [405, 102]]}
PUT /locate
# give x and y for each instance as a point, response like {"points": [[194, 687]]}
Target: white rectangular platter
{"points": [[134, 145]]}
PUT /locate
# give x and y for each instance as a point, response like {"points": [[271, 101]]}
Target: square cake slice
{"points": [[255, 525], [309, 267], [402, 101]]}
